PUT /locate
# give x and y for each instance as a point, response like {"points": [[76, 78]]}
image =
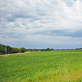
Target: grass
{"points": [[48, 66]]}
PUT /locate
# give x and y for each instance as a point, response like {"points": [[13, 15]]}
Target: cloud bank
{"points": [[36, 22]]}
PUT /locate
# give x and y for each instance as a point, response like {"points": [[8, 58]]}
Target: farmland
{"points": [[45, 66]]}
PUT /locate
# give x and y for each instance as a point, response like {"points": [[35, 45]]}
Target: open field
{"points": [[46, 66]]}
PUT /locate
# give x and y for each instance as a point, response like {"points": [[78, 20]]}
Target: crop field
{"points": [[46, 66]]}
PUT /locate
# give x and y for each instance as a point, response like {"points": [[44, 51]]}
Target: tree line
{"points": [[78, 48], [4, 49]]}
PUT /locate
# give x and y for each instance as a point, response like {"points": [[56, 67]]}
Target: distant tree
{"points": [[22, 49], [42, 49], [29, 50], [2, 49], [15, 50], [78, 48], [48, 49], [5, 49], [9, 49]]}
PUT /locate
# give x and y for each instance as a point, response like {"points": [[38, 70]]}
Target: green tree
{"points": [[2, 49], [48, 49], [15, 50], [5, 49], [22, 49]]}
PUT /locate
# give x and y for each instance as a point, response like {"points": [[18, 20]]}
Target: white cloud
{"points": [[29, 17], [51, 16]]}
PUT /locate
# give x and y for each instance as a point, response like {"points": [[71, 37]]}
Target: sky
{"points": [[41, 23]]}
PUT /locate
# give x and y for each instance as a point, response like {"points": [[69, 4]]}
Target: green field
{"points": [[47, 66]]}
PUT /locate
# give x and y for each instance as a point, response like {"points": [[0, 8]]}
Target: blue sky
{"points": [[41, 23]]}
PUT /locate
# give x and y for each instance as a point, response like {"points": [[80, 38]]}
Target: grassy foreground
{"points": [[49, 66]]}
